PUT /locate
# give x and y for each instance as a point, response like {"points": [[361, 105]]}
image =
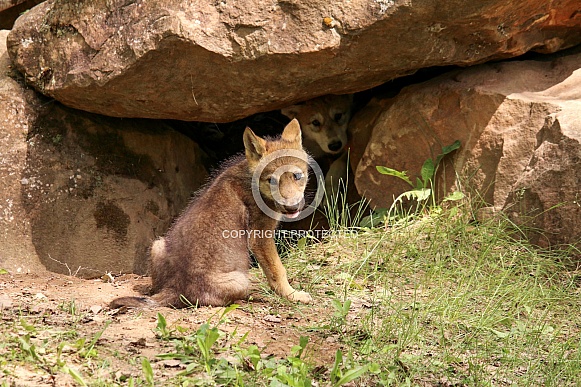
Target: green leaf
{"points": [[427, 172], [161, 322], [95, 339], [419, 184], [147, 371], [418, 194], [229, 309], [297, 350], [454, 197], [447, 150], [450, 148], [28, 327], [392, 172], [374, 368], [303, 341], [351, 375], [27, 347], [500, 334], [205, 338], [59, 352], [375, 219], [302, 243], [75, 375], [3, 271], [336, 371]]}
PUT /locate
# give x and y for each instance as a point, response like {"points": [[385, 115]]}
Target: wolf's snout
{"points": [[335, 146], [295, 208], [291, 210]]}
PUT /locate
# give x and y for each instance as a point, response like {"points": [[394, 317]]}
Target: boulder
{"points": [[520, 129], [18, 113], [85, 194], [99, 190], [546, 199], [220, 61]]}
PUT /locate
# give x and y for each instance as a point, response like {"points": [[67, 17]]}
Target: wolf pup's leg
{"points": [[265, 252]]}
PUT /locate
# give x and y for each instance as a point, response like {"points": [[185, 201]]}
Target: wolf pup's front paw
{"points": [[299, 296]]}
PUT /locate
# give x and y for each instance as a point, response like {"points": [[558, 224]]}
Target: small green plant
{"points": [[422, 191], [29, 349], [161, 330], [342, 374], [427, 172], [206, 337], [294, 372], [70, 307], [38, 354], [341, 310], [198, 347], [147, 371], [75, 375], [89, 350]]}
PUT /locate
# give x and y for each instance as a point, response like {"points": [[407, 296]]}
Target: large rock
{"points": [[520, 128], [81, 193], [546, 198], [98, 190], [223, 60], [18, 112]]}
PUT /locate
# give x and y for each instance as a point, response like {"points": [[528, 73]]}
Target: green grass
{"points": [[438, 300], [454, 302]]}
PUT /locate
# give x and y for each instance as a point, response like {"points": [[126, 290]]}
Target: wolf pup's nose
{"points": [[335, 146]]}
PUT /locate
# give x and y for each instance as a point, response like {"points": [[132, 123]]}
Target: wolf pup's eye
{"points": [[338, 117], [315, 123], [272, 180], [298, 176]]}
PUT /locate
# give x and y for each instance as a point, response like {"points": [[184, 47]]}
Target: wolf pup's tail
{"points": [[132, 302]]}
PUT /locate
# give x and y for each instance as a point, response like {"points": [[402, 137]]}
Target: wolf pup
{"points": [[204, 257], [324, 121]]}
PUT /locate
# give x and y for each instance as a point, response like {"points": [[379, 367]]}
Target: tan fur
{"points": [[199, 262], [324, 123]]}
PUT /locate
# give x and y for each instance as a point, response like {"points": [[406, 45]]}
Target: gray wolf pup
{"points": [[324, 122], [204, 257]]}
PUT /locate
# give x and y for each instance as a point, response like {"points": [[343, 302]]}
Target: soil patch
{"points": [[47, 303]]}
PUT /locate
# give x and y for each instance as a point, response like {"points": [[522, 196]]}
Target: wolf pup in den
{"points": [[324, 121], [204, 257]]}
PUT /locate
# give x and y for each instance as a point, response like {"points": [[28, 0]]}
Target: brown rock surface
{"points": [[98, 190], [81, 193], [546, 198], [18, 112], [10, 10], [220, 61], [520, 128]]}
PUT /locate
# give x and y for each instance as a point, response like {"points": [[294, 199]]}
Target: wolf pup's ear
{"points": [[291, 111], [254, 146], [292, 133]]}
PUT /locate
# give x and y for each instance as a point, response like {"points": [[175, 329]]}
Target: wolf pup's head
{"points": [[324, 121], [284, 168]]}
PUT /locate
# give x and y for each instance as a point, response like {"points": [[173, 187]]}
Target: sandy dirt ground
{"points": [[58, 303]]}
